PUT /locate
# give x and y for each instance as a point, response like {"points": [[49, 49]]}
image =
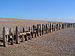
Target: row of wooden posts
{"points": [[34, 31]]}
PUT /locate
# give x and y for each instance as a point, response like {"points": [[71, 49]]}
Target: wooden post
{"points": [[54, 27], [28, 35], [71, 25], [40, 29], [59, 26], [35, 34], [23, 35], [11, 36], [31, 33], [50, 27], [34, 30], [17, 35], [4, 39], [62, 26], [46, 28], [37, 29], [23, 29], [66, 25]]}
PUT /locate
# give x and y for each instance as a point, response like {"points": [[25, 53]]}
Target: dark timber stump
{"points": [[4, 39], [59, 26], [62, 26], [42, 29], [50, 27], [37, 29], [17, 39], [46, 29]]}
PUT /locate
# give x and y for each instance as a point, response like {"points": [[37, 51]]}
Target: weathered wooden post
{"points": [[59, 26], [17, 39], [50, 27], [42, 29], [23, 35], [4, 38], [68, 25], [31, 33], [10, 37], [34, 30], [54, 28], [62, 26], [71, 25], [46, 28], [37, 29]]}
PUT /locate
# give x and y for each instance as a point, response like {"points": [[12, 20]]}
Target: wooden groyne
{"points": [[10, 37]]}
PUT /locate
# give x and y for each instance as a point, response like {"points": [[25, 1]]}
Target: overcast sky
{"points": [[39, 9]]}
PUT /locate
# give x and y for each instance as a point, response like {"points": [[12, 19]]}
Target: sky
{"points": [[60, 10]]}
